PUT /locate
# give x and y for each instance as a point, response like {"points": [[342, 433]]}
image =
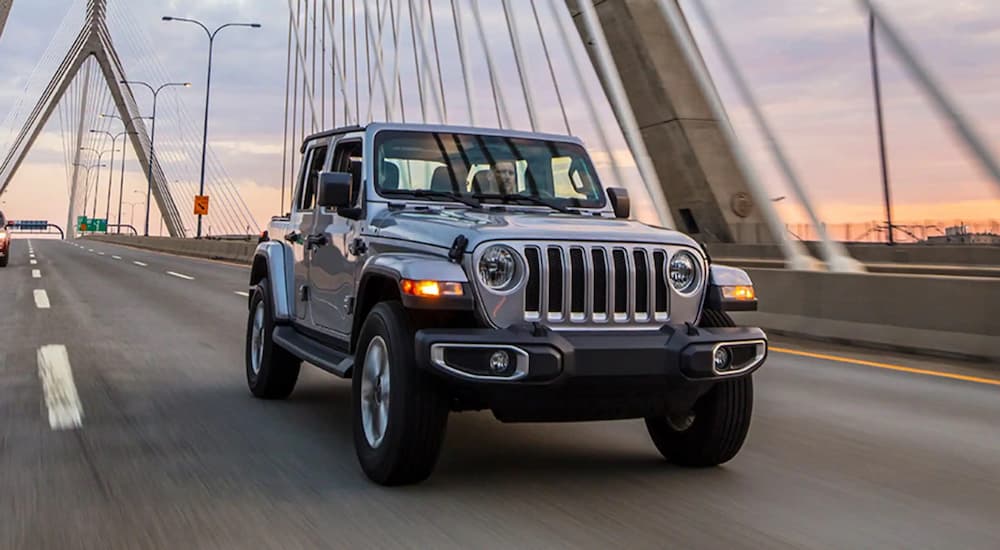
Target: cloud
{"points": [[807, 62]]}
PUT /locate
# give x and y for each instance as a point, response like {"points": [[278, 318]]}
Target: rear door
{"points": [[332, 266], [302, 221]]}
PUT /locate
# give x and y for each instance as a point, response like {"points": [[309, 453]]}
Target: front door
{"points": [[332, 265], [302, 221]]}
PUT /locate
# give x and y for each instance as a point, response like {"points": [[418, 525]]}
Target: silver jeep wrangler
{"points": [[450, 269]]}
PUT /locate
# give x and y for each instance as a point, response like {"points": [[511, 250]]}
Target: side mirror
{"points": [[620, 202], [334, 190]]}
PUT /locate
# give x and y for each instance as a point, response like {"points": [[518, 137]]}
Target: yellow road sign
{"points": [[201, 205]]}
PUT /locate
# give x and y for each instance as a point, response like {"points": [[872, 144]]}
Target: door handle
{"points": [[357, 247], [313, 241]]}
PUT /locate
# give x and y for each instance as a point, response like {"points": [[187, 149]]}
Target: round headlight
{"points": [[683, 272], [498, 268]]}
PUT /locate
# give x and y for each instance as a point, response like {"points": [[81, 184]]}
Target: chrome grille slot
{"points": [[557, 286], [600, 284], [662, 301], [580, 285], [621, 282], [641, 280], [533, 289]]}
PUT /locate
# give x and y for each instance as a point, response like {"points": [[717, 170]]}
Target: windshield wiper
{"points": [[430, 194], [531, 200]]}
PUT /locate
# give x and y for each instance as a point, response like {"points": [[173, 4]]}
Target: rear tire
{"points": [[715, 430], [271, 370], [400, 412], [5, 259]]}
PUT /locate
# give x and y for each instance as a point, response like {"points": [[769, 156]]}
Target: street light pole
{"points": [[121, 184], [208, 90], [873, 47], [97, 183], [152, 137]]}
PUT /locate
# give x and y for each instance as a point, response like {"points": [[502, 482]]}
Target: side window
{"points": [[347, 158], [314, 165]]}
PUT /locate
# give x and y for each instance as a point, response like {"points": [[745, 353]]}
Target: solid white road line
{"points": [[33, 262], [42, 299], [36, 273], [116, 257], [180, 276], [242, 293], [61, 397], [140, 264]]}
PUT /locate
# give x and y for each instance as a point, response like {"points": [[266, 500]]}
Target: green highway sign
{"points": [[93, 225]]}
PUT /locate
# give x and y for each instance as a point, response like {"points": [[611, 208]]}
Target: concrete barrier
{"points": [[946, 315], [954, 316], [919, 254], [232, 251]]}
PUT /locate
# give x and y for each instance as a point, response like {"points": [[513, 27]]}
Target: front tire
{"points": [[271, 370], [714, 431], [400, 412]]}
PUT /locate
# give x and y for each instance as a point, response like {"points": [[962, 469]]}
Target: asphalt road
{"points": [[172, 452]]}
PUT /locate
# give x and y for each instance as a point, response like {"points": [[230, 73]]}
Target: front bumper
{"points": [[561, 375]]}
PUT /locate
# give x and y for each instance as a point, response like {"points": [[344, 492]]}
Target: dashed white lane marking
{"points": [[36, 273], [31, 255], [90, 250], [140, 264], [33, 262], [61, 397], [180, 276], [242, 293], [100, 253], [42, 299], [116, 257]]}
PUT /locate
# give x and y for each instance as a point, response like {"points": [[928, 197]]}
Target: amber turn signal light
{"points": [[431, 289], [739, 293]]}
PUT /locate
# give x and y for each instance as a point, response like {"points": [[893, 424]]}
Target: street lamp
{"points": [[208, 90], [111, 173], [86, 181], [121, 184], [152, 135], [100, 155], [132, 206]]}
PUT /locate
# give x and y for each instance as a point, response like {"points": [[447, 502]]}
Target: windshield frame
{"points": [[601, 204]]}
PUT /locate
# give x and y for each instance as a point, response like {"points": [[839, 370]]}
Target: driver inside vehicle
{"points": [[504, 174], [499, 179]]}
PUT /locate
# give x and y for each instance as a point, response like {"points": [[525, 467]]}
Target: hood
{"points": [[441, 227]]}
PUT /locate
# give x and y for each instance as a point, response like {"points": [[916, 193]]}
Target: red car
{"points": [[4, 241]]}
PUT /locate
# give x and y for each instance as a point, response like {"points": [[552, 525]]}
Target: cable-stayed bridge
{"points": [[124, 420], [96, 112]]}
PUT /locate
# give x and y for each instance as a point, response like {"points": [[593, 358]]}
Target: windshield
{"points": [[488, 168]]}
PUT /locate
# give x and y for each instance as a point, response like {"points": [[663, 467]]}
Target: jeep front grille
{"points": [[596, 283]]}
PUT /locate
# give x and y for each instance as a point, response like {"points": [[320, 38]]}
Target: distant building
{"points": [[959, 234]]}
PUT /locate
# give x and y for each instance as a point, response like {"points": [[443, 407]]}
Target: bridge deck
{"points": [[174, 453]]}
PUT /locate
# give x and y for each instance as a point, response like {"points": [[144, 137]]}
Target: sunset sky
{"points": [[807, 62]]}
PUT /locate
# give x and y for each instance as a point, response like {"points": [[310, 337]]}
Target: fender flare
{"points": [[275, 262]]}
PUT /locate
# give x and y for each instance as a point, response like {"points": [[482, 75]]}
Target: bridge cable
{"points": [[552, 71], [515, 43], [503, 117], [456, 15]]}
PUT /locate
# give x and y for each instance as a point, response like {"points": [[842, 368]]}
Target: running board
{"points": [[305, 348]]}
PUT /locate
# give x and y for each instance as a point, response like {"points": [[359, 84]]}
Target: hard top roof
{"points": [[414, 127]]}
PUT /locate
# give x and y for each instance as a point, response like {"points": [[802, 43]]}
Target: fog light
{"points": [[723, 359], [499, 362]]}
